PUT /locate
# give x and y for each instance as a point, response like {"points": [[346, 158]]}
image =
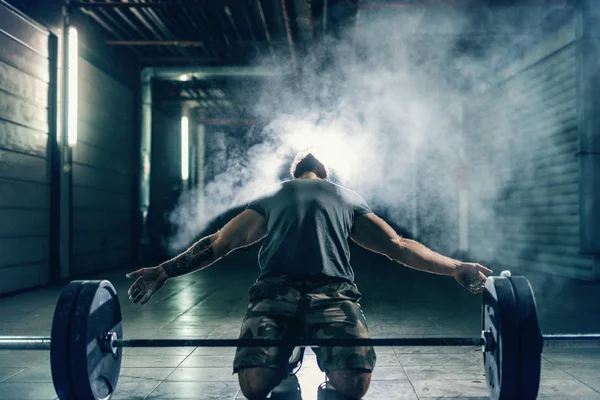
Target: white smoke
{"points": [[383, 110]]}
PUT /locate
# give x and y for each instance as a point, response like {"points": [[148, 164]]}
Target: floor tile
{"points": [[159, 374], [174, 333], [434, 349], [451, 387], [166, 361], [27, 391], [384, 350], [587, 375], [442, 372], [207, 361], [387, 360], [435, 359], [390, 390], [134, 388], [194, 390], [575, 357], [203, 375], [26, 358], [41, 373], [214, 351], [159, 351], [566, 388], [412, 331], [389, 374], [454, 398], [6, 372], [553, 372]]}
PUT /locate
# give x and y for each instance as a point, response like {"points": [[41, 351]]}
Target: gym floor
{"points": [[397, 302]]}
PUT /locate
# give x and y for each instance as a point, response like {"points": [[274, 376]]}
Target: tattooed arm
{"points": [[199, 256], [245, 229]]}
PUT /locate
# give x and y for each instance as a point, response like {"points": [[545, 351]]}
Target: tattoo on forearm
{"points": [[190, 260]]}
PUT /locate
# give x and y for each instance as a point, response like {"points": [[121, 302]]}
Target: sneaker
{"points": [[288, 389], [295, 362], [327, 392]]}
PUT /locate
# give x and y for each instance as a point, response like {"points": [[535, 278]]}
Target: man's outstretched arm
{"points": [[373, 233], [245, 229]]}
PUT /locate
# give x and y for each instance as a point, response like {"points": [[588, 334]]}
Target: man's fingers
{"points": [[133, 287], [147, 297], [481, 268], [134, 274], [139, 295], [136, 291]]}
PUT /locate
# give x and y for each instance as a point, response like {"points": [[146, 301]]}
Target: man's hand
{"points": [[148, 281], [471, 277]]}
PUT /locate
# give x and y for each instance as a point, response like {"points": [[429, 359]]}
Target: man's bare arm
{"points": [[375, 234], [245, 229]]}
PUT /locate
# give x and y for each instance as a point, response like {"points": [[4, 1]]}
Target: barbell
{"points": [[87, 337]]}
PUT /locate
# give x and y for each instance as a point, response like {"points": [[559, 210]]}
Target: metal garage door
{"points": [[25, 134], [102, 173], [524, 135]]}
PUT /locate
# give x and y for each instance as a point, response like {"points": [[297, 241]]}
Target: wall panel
{"points": [[524, 137], [24, 152], [102, 173]]}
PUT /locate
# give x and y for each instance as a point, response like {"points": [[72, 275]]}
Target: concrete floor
{"points": [[397, 302]]}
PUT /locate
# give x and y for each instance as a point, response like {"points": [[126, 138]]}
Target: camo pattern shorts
{"points": [[309, 308]]}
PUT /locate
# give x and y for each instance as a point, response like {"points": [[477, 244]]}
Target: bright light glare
{"points": [[185, 149], [72, 87], [328, 145]]}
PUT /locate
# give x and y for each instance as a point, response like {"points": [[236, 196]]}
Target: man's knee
{"points": [[256, 383], [352, 384]]}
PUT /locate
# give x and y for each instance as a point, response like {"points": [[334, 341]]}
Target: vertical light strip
{"points": [[72, 87], [185, 149]]}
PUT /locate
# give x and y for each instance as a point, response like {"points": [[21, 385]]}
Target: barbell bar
{"points": [[87, 336], [576, 340]]}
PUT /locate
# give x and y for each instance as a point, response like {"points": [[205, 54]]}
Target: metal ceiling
{"points": [[167, 33], [193, 32]]}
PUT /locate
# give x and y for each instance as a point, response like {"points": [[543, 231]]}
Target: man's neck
{"points": [[309, 175]]}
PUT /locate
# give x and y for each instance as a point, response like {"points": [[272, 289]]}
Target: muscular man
{"points": [[306, 284]]}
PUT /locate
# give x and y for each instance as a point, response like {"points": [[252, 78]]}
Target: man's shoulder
{"points": [[346, 191]]}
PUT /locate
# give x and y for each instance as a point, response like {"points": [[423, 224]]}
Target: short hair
{"points": [[307, 162]]}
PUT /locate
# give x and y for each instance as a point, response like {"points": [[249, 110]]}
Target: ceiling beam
{"points": [[182, 43], [379, 4], [153, 4], [288, 29], [203, 72]]}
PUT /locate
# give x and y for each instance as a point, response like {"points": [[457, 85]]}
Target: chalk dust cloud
{"points": [[383, 103]]}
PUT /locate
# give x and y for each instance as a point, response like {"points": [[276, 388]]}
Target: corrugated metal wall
{"points": [[24, 153], [102, 181], [523, 136]]}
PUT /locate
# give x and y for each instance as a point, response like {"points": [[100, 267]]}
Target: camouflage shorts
{"points": [[315, 308]]}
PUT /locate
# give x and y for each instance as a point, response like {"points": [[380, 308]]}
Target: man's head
{"points": [[306, 162]]}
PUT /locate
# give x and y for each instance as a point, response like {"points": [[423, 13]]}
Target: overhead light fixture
{"points": [[72, 87], [185, 149]]}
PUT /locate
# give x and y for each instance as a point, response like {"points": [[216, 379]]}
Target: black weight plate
{"points": [[530, 340], [97, 311], [59, 344], [499, 317]]}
